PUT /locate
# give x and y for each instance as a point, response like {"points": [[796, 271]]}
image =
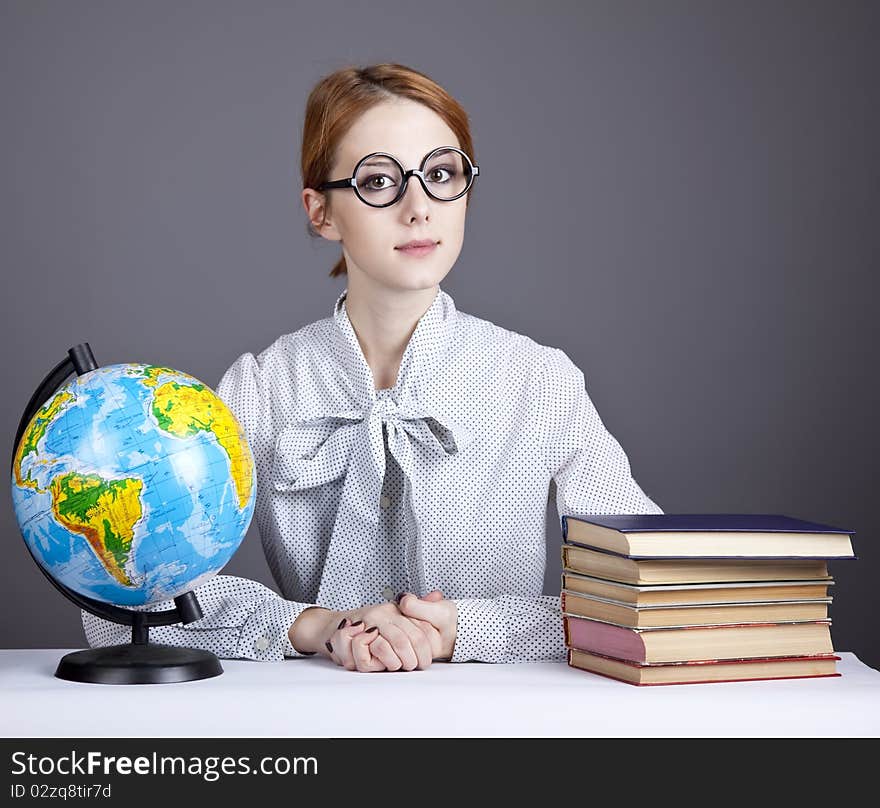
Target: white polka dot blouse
{"points": [[440, 482]]}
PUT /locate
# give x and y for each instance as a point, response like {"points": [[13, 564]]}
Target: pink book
{"points": [[687, 643]]}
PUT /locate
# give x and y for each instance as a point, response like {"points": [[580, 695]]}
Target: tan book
{"points": [[705, 614], [663, 535], [679, 571], [675, 594], [684, 673], [693, 643]]}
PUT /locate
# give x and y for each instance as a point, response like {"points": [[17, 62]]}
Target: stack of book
{"points": [[654, 599]]}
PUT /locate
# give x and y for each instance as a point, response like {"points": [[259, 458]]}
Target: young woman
{"points": [[402, 446]]}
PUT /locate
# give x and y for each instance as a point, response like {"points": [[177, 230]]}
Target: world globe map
{"points": [[133, 484]]}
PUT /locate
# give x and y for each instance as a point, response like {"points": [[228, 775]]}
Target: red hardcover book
{"points": [[698, 643]]}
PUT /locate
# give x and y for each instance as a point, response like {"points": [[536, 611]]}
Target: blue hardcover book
{"points": [[707, 535]]}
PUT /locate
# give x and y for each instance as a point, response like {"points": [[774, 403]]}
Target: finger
{"points": [[431, 634], [331, 650], [398, 631], [420, 642], [362, 654], [411, 606], [334, 646], [432, 597], [370, 645], [389, 648], [341, 642]]}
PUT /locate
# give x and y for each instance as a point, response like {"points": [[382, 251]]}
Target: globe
{"points": [[133, 484]]}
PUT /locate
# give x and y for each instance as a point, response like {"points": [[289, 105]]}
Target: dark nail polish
{"points": [[374, 628], [357, 624], [399, 598], [341, 624], [329, 647]]}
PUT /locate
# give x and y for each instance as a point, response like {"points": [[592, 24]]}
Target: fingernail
{"points": [[329, 647], [399, 598], [341, 624], [357, 624], [374, 628]]}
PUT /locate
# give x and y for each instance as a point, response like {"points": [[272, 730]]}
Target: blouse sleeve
{"points": [[590, 468], [592, 475], [509, 629], [242, 619]]}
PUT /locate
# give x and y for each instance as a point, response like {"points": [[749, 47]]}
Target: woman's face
{"points": [[370, 236]]}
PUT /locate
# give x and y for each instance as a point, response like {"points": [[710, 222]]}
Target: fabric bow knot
{"points": [[317, 450]]}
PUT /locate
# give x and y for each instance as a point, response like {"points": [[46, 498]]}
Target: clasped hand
{"points": [[392, 637]]}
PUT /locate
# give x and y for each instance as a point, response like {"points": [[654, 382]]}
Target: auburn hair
{"points": [[339, 98]]}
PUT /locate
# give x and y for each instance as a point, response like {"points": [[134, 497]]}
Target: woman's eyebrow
{"points": [[380, 161]]}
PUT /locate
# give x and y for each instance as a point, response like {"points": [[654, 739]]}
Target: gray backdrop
{"points": [[682, 196]]}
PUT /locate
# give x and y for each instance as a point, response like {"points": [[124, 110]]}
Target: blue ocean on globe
{"points": [[133, 484]]}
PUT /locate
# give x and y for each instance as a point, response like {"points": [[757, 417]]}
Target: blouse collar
{"points": [[420, 372]]}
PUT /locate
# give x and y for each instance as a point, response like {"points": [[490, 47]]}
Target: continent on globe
{"points": [[32, 435], [104, 511], [184, 409]]}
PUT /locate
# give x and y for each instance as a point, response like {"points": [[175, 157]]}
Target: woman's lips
{"points": [[417, 252]]}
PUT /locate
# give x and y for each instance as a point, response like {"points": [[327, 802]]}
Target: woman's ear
{"points": [[317, 209]]}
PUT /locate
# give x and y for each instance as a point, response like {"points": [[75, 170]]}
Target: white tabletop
{"points": [[313, 698]]}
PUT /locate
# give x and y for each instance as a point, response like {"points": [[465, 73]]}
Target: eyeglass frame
{"points": [[351, 182]]}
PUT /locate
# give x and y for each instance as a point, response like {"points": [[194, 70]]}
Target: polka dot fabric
{"points": [[439, 482]]}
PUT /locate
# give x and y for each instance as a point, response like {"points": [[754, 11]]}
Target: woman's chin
{"points": [[415, 278]]}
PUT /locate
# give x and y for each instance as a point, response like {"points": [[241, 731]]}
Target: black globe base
{"points": [[137, 664]]}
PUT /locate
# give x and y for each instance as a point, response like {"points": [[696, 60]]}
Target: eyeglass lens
{"points": [[379, 179]]}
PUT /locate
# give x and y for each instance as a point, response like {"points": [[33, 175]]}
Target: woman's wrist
{"points": [[308, 630]]}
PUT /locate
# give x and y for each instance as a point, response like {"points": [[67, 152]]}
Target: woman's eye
{"points": [[376, 182], [436, 174]]}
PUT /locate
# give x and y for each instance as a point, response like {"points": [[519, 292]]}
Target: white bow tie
{"points": [[317, 450]]}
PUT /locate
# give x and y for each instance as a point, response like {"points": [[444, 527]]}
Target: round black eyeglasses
{"points": [[379, 179]]}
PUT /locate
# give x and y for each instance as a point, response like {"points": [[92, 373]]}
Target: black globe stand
{"points": [[138, 662]]}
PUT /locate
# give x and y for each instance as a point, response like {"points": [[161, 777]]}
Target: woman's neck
{"points": [[384, 320]]}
